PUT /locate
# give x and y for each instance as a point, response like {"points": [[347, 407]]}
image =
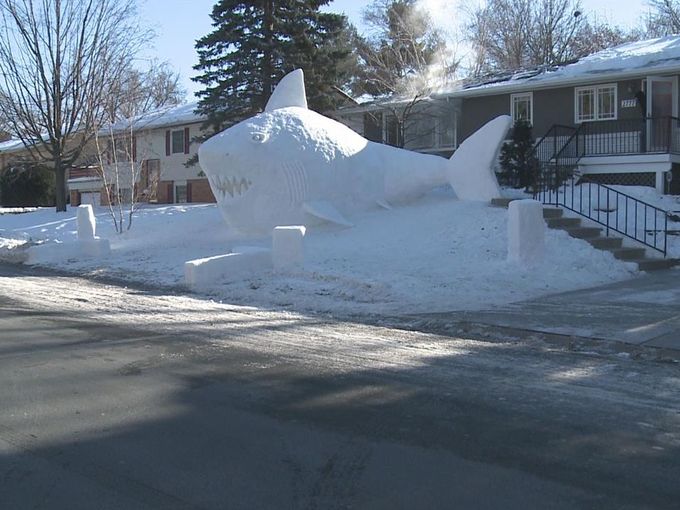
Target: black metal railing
{"points": [[614, 210], [651, 135], [558, 183]]}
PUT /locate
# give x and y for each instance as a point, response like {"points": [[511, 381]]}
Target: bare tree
{"points": [[404, 52], [142, 91], [515, 34], [59, 60], [406, 57], [116, 153], [664, 18]]}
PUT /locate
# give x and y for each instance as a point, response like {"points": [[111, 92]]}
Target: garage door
{"points": [[90, 198]]}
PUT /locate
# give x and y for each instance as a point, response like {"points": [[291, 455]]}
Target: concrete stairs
{"points": [[554, 217]]}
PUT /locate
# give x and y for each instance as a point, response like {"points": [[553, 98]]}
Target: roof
{"points": [[627, 60], [11, 145], [163, 117]]}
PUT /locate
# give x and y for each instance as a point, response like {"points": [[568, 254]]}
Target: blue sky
{"points": [[178, 23]]}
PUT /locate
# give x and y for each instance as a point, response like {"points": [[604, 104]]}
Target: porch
{"points": [[643, 151]]}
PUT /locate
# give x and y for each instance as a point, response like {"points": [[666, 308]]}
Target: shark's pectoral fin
{"points": [[327, 212], [384, 204]]}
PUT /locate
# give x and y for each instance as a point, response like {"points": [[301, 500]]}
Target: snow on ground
{"points": [[435, 255]]}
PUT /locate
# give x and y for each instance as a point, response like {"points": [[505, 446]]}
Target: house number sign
{"points": [[628, 103]]}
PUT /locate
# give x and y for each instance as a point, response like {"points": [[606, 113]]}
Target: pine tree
{"points": [[517, 158], [254, 44]]}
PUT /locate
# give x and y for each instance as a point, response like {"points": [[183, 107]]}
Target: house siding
{"points": [[550, 106]]}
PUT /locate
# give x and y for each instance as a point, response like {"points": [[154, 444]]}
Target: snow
{"points": [[437, 254], [163, 117], [472, 173], [526, 232], [288, 248], [289, 92], [242, 263]]}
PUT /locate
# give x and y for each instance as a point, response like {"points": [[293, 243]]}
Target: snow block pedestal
{"points": [[233, 266], [288, 248], [52, 253], [86, 222], [526, 232]]}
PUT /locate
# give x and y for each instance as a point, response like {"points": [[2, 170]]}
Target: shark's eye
{"points": [[259, 137]]}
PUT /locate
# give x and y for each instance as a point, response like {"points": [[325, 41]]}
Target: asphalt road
{"points": [[260, 409]]}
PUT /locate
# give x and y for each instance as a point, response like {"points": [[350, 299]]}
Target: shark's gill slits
{"points": [[296, 181]]}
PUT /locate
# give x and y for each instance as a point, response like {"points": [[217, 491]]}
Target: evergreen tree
{"points": [[517, 159], [254, 44]]}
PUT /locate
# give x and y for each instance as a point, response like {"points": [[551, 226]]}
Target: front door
{"points": [[662, 106]]}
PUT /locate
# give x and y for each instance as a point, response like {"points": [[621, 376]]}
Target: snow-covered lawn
{"points": [[435, 255]]}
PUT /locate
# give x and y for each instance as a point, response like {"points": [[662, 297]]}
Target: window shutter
{"points": [[186, 140], [134, 148], [171, 195], [167, 143]]}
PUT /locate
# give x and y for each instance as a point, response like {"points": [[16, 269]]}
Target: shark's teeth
{"points": [[233, 186]]}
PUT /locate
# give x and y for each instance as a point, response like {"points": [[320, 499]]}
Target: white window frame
{"points": [[522, 95], [595, 89]]}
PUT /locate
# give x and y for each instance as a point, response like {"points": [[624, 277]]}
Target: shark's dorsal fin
{"points": [[289, 92], [327, 212]]}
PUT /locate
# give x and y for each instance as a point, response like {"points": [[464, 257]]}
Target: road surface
{"points": [[135, 398]]}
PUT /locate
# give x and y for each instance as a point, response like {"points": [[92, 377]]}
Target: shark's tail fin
{"points": [[471, 168]]}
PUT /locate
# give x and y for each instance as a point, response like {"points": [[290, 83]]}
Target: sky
{"points": [[179, 23]]}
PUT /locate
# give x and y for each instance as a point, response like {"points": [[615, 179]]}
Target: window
{"points": [[422, 129], [595, 103], [393, 131], [373, 126], [181, 194], [446, 129], [522, 107], [178, 141]]}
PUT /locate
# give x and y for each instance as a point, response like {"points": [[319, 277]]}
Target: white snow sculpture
{"points": [[288, 248], [86, 222], [526, 232], [291, 166], [478, 155], [210, 271]]}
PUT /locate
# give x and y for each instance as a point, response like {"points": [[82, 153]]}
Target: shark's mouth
{"points": [[233, 187]]}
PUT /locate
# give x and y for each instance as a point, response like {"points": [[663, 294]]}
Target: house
{"points": [[613, 114], [146, 156]]}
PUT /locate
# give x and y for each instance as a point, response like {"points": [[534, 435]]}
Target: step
{"points": [[563, 222], [552, 212], [606, 243], [656, 264], [629, 253], [584, 232]]}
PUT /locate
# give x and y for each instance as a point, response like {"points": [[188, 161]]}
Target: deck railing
{"points": [[559, 183]]}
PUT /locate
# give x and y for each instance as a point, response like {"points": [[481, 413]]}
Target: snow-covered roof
{"points": [[163, 117], [627, 60], [11, 145]]}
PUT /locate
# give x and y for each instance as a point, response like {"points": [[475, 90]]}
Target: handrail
{"points": [[632, 217]]}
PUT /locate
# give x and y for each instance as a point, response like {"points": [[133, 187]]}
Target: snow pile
{"points": [[436, 255]]}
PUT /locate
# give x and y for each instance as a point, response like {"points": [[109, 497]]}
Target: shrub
{"points": [[519, 165], [26, 185]]}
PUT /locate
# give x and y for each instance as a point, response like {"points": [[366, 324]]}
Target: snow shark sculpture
{"points": [[292, 166]]}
